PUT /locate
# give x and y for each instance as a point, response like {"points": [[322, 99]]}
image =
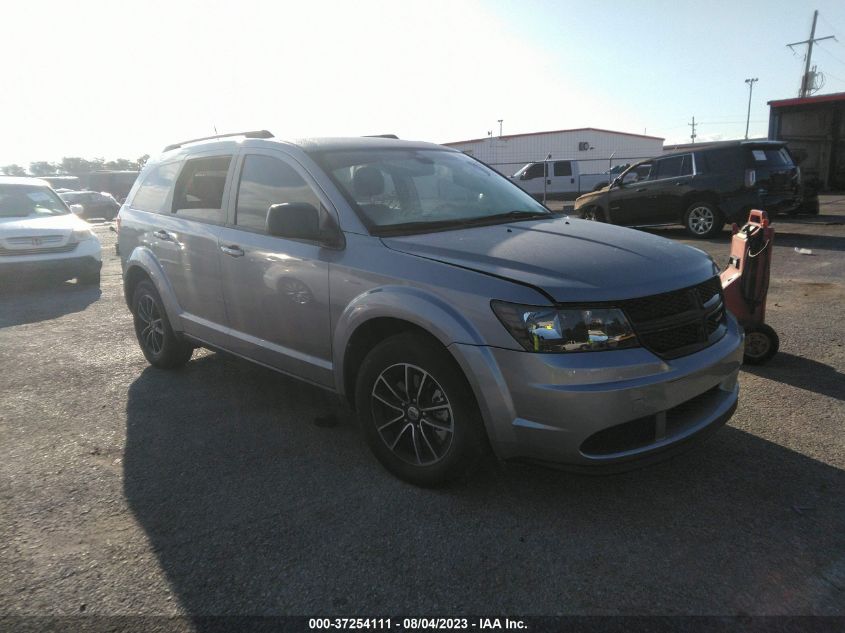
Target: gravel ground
{"points": [[220, 489]]}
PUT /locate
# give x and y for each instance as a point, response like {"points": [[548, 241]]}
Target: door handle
{"points": [[548, 182], [641, 189], [164, 235], [681, 184], [233, 250]]}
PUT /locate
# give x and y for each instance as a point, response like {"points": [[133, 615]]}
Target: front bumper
{"points": [[602, 410], [59, 269]]}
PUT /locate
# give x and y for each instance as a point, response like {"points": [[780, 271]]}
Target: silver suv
{"points": [[447, 307]]}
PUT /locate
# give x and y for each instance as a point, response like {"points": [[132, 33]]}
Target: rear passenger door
{"points": [[276, 289], [184, 239]]}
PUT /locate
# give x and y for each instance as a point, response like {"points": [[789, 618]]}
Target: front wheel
{"points": [[593, 213], [761, 343], [417, 412], [703, 220]]}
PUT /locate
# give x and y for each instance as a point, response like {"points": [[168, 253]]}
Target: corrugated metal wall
{"points": [[508, 154]]}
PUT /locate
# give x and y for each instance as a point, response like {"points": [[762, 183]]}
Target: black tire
{"points": [[161, 346], [761, 343], [703, 220], [593, 213], [89, 279], [429, 448]]}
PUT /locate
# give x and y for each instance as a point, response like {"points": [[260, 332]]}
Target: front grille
{"points": [[43, 240], [46, 250], [681, 322], [647, 430]]}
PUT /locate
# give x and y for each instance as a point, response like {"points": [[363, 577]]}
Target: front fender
{"points": [[410, 304], [142, 257]]}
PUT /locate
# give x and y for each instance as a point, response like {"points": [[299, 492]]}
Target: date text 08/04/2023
{"points": [[416, 623]]}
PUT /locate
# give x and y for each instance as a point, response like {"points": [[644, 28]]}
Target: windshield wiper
{"points": [[438, 225]]}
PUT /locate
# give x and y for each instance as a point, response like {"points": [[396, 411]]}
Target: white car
{"points": [[41, 236]]}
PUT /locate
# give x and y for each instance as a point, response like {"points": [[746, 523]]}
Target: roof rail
{"points": [[251, 134], [381, 136]]}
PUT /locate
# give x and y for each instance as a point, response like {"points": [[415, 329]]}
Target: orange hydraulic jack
{"points": [[745, 283]]}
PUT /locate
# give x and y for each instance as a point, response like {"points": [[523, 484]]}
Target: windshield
{"points": [[418, 190], [21, 201]]}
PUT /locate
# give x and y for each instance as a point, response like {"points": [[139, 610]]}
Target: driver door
{"points": [[629, 202]]}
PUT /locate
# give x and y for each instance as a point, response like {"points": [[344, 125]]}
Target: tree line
{"points": [[73, 166]]}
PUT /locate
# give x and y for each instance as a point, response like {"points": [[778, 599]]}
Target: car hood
{"points": [[570, 260], [18, 226]]}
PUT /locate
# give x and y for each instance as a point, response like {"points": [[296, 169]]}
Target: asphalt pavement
{"points": [[223, 489]]}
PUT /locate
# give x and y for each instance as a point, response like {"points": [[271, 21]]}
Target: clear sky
{"points": [[121, 79]]}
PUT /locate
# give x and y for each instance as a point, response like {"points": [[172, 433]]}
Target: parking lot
{"points": [[224, 488]]}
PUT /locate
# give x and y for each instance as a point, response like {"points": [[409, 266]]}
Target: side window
{"points": [[563, 168], [638, 173], [199, 189], [266, 181], [668, 167], [152, 193], [686, 166], [535, 171]]}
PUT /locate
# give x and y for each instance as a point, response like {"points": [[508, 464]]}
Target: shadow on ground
{"points": [[33, 301], [803, 373], [252, 508]]}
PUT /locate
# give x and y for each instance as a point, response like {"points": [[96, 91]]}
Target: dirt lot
{"points": [[217, 489]]}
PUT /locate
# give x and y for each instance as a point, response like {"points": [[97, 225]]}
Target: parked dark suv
{"points": [[701, 189]]}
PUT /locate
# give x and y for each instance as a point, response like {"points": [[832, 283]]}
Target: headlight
{"points": [[80, 235], [540, 329]]}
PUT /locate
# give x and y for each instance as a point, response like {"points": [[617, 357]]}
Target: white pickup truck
{"points": [[563, 179]]}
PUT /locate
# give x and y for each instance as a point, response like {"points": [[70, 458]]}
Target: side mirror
{"points": [[299, 221], [77, 209]]}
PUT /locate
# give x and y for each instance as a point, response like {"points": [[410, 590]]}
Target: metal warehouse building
{"points": [[814, 128], [596, 150]]}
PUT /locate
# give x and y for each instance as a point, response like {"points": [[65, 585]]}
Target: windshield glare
{"points": [[21, 201], [392, 188]]}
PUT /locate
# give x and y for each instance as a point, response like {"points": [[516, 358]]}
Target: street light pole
{"points": [[750, 83]]}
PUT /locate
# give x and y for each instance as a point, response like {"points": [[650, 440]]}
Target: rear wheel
{"points": [[703, 220], [416, 411], [160, 344], [761, 343]]}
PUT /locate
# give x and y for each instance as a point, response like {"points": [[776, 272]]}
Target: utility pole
{"points": [[806, 83], [692, 125], [500, 127], [750, 83]]}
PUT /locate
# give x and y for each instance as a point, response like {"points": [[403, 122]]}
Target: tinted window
{"points": [[152, 193], [199, 190], [535, 171], [266, 181], [563, 168], [669, 167]]}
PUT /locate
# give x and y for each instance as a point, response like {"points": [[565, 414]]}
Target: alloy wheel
{"points": [[412, 414], [701, 220], [151, 330]]}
